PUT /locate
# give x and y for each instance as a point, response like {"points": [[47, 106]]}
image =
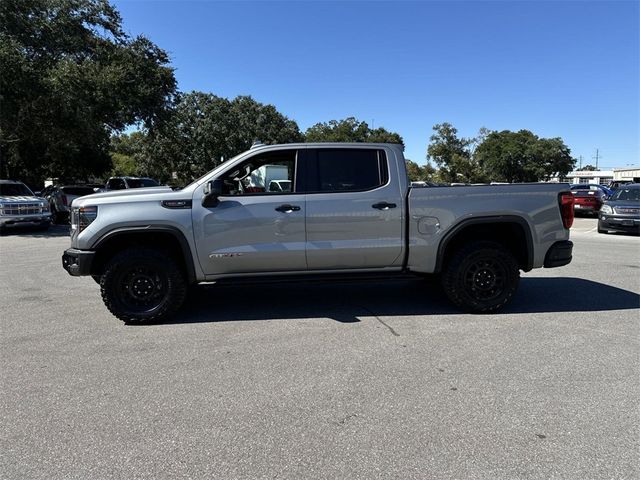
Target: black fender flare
{"points": [[453, 231], [176, 233]]}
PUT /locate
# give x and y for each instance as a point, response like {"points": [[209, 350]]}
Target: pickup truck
{"points": [[350, 211]]}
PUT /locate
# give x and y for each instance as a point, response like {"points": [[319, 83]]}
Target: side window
{"points": [[269, 173], [349, 170]]}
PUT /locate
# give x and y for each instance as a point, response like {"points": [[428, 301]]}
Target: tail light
{"points": [[566, 201], [64, 200]]}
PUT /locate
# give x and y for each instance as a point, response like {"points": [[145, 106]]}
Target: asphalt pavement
{"points": [[313, 380]]}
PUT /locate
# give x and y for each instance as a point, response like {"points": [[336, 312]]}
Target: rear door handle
{"points": [[286, 208], [384, 205]]}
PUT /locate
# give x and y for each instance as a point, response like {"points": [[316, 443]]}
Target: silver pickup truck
{"points": [[315, 209]]}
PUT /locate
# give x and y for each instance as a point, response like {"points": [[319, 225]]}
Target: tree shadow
{"points": [[345, 302]]}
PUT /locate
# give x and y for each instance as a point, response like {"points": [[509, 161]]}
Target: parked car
{"points": [[621, 212], [122, 183], [588, 201], [20, 207], [592, 186], [61, 196]]}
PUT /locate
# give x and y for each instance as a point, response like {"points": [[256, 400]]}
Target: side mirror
{"points": [[212, 190]]}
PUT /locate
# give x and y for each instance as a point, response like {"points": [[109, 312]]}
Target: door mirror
{"points": [[212, 190]]}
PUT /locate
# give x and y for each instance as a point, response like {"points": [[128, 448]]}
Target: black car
{"points": [[621, 212]]}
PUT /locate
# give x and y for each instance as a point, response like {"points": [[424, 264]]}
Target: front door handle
{"points": [[384, 205], [286, 208]]}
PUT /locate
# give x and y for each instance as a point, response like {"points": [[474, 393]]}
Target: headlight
{"points": [[45, 206], [82, 217], [606, 209]]}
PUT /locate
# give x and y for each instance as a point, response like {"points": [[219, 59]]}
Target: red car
{"points": [[587, 201]]}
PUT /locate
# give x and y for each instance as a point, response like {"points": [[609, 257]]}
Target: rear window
{"points": [[141, 182], [77, 191]]}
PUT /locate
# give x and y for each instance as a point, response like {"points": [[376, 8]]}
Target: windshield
{"points": [[219, 167], [15, 190], [627, 194], [141, 182]]}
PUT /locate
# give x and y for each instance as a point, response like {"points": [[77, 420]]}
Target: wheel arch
{"points": [[166, 238], [511, 231]]}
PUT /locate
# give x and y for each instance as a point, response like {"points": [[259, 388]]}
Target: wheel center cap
{"points": [[142, 286], [484, 279]]}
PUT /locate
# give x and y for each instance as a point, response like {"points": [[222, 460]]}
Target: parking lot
{"points": [[324, 380]]}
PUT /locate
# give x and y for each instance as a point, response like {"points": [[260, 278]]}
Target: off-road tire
{"points": [[142, 285], [481, 277]]}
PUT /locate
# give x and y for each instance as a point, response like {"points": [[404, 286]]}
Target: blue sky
{"points": [[557, 68]]}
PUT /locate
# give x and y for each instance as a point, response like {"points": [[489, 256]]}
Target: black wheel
{"points": [[602, 230], [142, 285], [481, 277], [55, 214], [44, 226]]}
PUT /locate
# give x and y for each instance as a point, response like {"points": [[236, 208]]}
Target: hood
{"points": [[623, 203], [128, 192], [21, 199]]}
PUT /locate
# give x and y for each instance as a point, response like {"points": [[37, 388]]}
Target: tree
{"points": [[587, 168], [523, 157], [69, 78], [202, 130], [417, 173], [350, 130], [127, 153], [453, 155]]}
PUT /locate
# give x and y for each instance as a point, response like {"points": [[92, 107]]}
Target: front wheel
{"points": [[481, 277], [142, 285], [600, 229]]}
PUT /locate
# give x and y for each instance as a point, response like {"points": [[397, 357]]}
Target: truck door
{"points": [[354, 210], [255, 227]]}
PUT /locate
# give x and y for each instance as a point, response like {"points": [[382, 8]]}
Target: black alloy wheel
{"points": [[481, 277], [142, 286]]}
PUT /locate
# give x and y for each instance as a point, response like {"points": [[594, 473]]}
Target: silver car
{"points": [[20, 207]]}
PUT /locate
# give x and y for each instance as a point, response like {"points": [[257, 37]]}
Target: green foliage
{"points": [[127, 151], [417, 173], [350, 130], [453, 155], [587, 168], [523, 157], [69, 78], [203, 129]]}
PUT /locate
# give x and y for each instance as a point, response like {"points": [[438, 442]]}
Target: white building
{"points": [[605, 177]]}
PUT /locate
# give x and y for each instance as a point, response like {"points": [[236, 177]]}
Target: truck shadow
{"points": [[347, 302], [33, 232]]}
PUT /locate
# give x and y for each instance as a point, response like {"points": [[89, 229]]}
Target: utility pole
{"points": [[580, 168], [597, 157]]}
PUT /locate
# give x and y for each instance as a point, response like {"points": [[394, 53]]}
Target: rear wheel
{"points": [[481, 277], [142, 285]]}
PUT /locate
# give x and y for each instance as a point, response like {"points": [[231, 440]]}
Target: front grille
{"points": [[628, 210], [22, 209]]}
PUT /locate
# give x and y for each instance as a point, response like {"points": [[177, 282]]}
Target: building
{"points": [[605, 177]]}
